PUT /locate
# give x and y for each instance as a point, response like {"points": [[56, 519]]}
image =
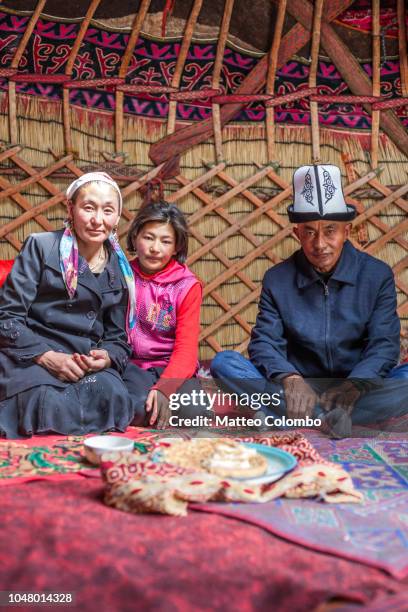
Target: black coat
{"points": [[37, 315]]}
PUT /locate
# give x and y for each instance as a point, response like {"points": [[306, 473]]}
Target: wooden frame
{"points": [[218, 246], [313, 23]]}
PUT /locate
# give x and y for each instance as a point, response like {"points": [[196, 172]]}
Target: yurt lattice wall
{"points": [[233, 180]]}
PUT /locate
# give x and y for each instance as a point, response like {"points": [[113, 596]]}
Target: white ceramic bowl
{"points": [[97, 445]]}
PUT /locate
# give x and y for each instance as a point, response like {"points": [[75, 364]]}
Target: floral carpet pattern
{"points": [[55, 457]]}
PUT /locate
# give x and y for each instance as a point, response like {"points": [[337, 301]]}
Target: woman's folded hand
{"points": [[98, 359], [62, 365]]}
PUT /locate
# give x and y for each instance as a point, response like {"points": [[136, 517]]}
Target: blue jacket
{"points": [[347, 327]]}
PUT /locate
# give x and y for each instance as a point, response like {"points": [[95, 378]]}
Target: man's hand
{"points": [[158, 404], [337, 424], [342, 396], [62, 366], [98, 359], [299, 396]]}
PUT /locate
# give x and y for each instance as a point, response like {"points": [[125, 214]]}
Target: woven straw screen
{"points": [[234, 197], [236, 209]]}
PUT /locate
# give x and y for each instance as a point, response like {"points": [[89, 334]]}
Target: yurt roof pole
{"points": [[68, 72], [314, 111], [188, 34], [14, 65], [351, 71], [292, 42], [376, 69], [270, 80], [127, 56], [222, 41]]}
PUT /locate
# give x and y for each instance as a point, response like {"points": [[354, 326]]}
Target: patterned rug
{"points": [[56, 457], [374, 532]]}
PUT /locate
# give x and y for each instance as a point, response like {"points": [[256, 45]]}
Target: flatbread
{"points": [[221, 456]]}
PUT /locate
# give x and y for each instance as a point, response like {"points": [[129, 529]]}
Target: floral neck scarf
{"points": [[69, 256]]}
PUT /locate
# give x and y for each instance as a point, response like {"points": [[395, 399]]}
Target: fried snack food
{"points": [[220, 456]]}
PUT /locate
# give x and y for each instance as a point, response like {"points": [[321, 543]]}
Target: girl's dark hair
{"points": [[161, 212]]}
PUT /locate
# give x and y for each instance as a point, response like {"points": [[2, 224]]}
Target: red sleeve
{"points": [[183, 360], [5, 269]]}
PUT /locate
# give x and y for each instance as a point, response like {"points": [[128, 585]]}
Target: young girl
{"points": [[164, 340]]}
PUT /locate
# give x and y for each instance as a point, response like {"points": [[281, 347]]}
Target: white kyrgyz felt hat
{"points": [[318, 195]]}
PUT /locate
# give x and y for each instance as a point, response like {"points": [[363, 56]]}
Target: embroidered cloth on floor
{"points": [[138, 484]]}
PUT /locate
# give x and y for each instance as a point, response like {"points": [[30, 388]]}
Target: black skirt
{"points": [[98, 402]]}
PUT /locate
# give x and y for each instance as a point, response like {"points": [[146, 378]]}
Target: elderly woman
{"points": [[63, 340]]}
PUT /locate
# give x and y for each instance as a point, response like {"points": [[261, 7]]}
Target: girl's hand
{"points": [[98, 359], [158, 404], [61, 365]]}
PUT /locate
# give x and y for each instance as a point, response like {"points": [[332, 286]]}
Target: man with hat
{"points": [[327, 330]]}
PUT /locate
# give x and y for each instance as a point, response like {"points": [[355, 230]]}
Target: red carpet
{"points": [[60, 537]]}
